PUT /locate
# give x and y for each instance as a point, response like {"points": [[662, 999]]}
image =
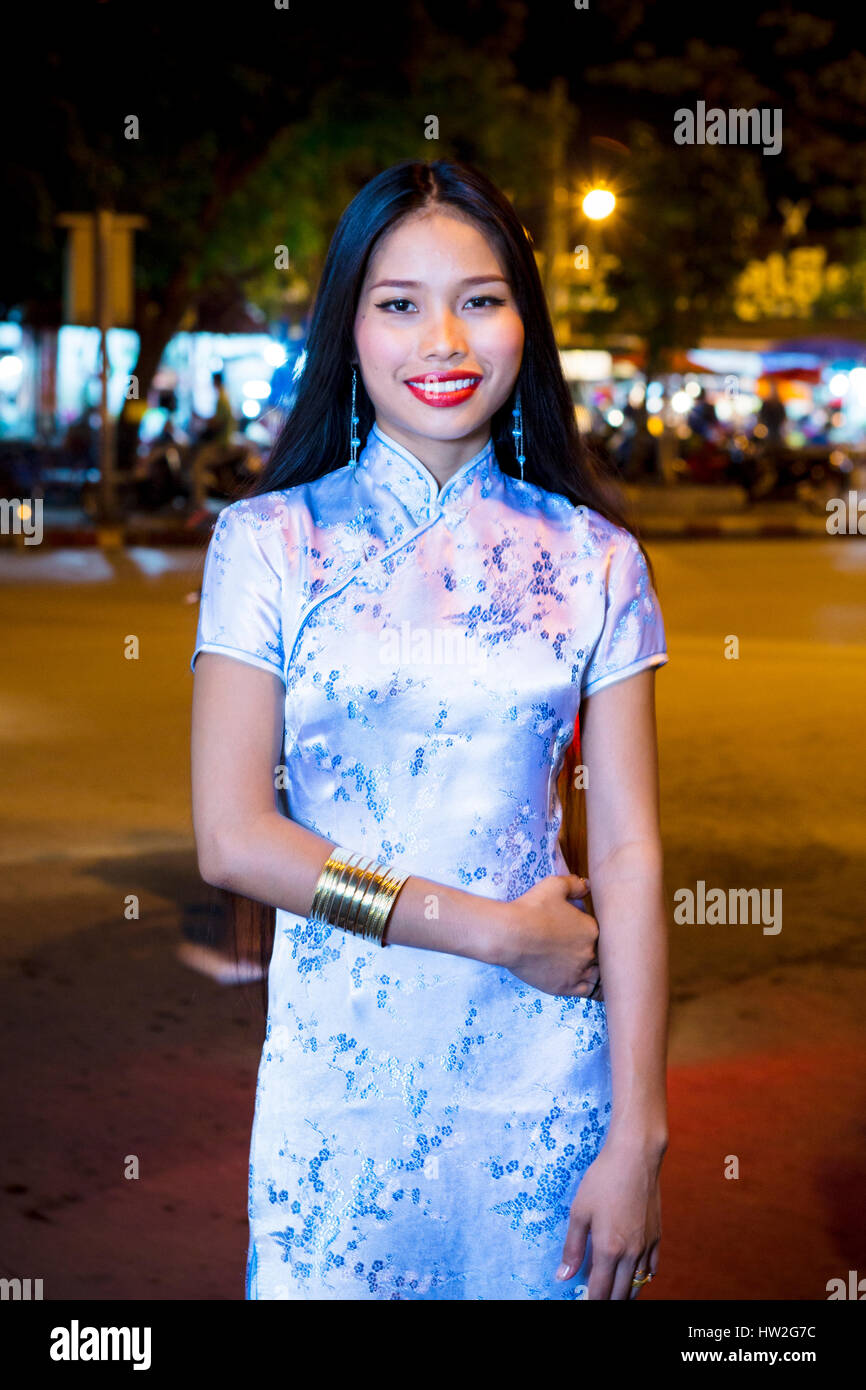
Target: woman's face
{"points": [[457, 320]]}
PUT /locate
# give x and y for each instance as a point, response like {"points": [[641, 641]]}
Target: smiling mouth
{"points": [[444, 391]]}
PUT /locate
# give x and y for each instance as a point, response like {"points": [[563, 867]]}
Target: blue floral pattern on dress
{"points": [[422, 1121]]}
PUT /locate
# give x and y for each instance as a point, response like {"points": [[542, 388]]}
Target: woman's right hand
{"points": [[547, 942]]}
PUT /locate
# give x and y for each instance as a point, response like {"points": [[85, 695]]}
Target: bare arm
{"points": [[618, 746], [245, 844]]}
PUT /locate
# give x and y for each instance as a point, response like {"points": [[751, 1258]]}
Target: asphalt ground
{"points": [[115, 1050]]}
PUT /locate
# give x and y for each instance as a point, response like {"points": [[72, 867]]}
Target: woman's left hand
{"points": [[618, 1206]]}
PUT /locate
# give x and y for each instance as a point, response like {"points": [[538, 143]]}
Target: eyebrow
{"points": [[417, 284]]}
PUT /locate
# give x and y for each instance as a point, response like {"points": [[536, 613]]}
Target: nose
{"points": [[442, 336]]}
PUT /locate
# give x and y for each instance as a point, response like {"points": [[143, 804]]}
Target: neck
{"points": [[442, 457]]}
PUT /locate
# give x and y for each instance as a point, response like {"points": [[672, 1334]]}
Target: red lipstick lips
{"points": [[436, 388]]}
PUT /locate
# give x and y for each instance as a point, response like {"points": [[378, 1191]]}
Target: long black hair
{"points": [[315, 438]]}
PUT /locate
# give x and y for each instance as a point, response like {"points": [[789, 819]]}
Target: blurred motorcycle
{"points": [[156, 482], [777, 473], [162, 479], [228, 469]]}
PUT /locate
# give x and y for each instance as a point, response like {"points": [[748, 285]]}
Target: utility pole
{"points": [[108, 479], [98, 291]]}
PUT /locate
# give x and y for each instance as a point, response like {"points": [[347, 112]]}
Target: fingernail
{"points": [[563, 1271]]}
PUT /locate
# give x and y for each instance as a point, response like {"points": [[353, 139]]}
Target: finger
{"points": [[641, 1269], [574, 1249], [576, 887], [585, 989], [601, 1277], [625, 1272]]}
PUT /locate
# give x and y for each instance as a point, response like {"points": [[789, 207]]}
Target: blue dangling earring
{"points": [[354, 441], [517, 412]]}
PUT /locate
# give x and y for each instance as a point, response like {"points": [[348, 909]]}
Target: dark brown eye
{"points": [[387, 302]]}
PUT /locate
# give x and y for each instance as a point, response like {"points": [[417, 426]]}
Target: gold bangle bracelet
{"points": [[344, 880], [378, 909], [383, 905], [323, 897], [332, 900], [355, 879], [367, 895], [367, 915], [397, 886], [355, 894], [317, 913]]}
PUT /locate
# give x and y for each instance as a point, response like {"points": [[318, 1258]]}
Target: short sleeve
{"points": [[240, 606], [632, 636]]}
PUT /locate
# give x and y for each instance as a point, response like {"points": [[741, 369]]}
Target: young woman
{"points": [[392, 650]]}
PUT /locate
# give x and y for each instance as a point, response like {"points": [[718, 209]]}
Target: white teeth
{"points": [[439, 388]]}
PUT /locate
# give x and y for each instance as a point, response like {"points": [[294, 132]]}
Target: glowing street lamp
{"points": [[598, 204]]}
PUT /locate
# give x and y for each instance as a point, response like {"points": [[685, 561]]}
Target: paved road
{"points": [[119, 1050]]}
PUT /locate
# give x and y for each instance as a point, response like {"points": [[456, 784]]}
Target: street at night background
{"points": [[709, 301]]}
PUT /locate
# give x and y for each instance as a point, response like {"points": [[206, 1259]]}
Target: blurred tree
{"points": [[255, 131], [822, 93], [687, 216], [692, 216], [238, 153], [682, 230]]}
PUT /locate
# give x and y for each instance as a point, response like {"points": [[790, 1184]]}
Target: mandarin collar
{"points": [[392, 465]]}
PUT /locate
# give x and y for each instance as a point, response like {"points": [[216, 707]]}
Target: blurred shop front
{"points": [[50, 383], [718, 400]]}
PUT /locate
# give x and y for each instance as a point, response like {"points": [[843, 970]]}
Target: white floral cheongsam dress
{"points": [[423, 1120]]}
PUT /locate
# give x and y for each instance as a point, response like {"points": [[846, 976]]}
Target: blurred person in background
{"points": [[702, 418], [773, 416], [213, 441]]}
